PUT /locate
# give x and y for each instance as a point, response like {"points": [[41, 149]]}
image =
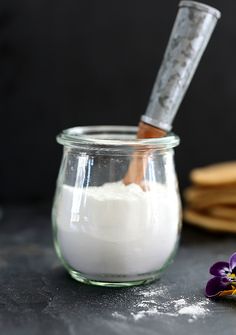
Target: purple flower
{"points": [[224, 280]]}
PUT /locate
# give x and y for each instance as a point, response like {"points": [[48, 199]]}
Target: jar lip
{"points": [[113, 136]]}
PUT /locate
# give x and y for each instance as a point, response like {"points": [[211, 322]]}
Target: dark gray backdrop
{"points": [[74, 62]]}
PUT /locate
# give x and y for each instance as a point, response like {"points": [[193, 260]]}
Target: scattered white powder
{"points": [[155, 306], [143, 304], [114, 229], [146, 303], [119, 316], [141, 314], [193, 310], [179, 302], [161, 291]]}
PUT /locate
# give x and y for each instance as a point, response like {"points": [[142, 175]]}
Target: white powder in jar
{"points": [[117, 230]]}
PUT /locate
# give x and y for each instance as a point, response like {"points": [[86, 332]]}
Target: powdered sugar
{"points": [[144, 313], [117, 232], [161, 291], [179, 302], [157, 302], [119, 316], [195, 310]]}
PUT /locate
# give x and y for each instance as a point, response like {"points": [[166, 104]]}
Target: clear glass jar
{"points": [[107, 233]]}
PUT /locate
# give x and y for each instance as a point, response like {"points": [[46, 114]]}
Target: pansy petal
{"points": [[232, 262], [215, 286], [219, 268]]}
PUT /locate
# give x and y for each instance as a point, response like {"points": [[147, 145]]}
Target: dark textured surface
{"points": [[38, 297]]}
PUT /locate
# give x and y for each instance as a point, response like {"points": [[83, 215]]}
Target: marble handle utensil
{"points": [[190, 35]]}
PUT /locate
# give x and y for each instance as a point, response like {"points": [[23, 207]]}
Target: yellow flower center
{"points": [[231, 275]]}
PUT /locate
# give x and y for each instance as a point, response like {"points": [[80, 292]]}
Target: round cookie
{"points": [[224, 212], [216, 174], [196, 192], [203, 198], [210, 223]]}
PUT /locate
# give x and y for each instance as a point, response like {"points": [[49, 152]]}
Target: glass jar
{"points": [[108, 233]]}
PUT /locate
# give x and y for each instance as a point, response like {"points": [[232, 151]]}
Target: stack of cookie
{"points": [[211, 200]]}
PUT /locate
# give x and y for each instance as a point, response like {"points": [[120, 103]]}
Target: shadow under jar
{"points": [[107, 233]]}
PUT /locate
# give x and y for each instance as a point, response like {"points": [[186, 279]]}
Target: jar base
{"points": [[82, 279]]}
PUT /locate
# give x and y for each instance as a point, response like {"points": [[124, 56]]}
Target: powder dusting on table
{"points": [[151, 303], [194, 310], [119, 316], [161, 291]]}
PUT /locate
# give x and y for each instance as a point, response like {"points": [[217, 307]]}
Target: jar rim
{"points": [[113, 136]]}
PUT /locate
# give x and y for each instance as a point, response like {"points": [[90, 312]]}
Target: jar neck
{"points": [[114, 139]]}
